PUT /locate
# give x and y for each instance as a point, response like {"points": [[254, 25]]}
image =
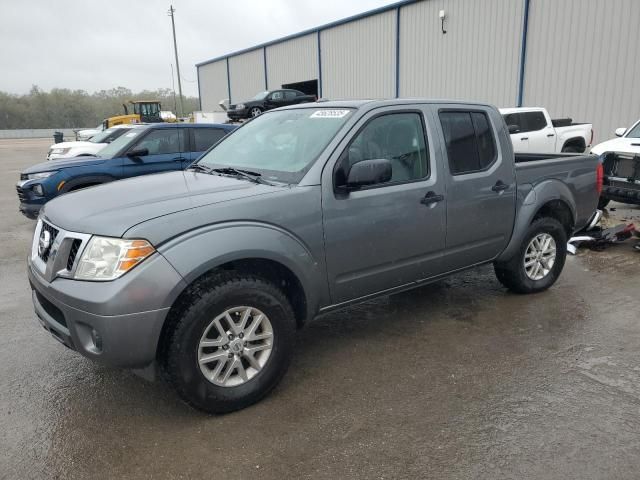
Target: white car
{"points": [[88, 148], [533, 131], [629, 141], [86, 134]]}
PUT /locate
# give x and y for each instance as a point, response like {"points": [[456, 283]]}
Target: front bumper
{"points": [[115, 323], [238, 114], [30, 203]]}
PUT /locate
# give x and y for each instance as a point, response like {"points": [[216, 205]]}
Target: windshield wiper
{"points": [[251, 176], [200, 168]]}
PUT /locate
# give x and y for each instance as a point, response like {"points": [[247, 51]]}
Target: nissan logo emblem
{"points": [[44, 243]]}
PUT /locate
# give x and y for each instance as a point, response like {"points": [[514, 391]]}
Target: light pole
{"points": [[175, 49]]}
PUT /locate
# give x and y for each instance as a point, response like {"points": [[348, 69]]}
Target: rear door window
{"points": [[203, 138], [526, 121], [534, 121], [469, 140]]}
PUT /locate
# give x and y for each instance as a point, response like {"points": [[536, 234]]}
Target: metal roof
{"points": [[326, 26]]}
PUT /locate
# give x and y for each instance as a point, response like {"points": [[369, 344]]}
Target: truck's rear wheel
{"points": [[230, 342], [539, 261], [572, 148]]}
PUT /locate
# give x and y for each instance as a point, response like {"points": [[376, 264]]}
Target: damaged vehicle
{"points": [[205, 274], [621, 182]]}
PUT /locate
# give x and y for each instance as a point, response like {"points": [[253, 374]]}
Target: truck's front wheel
{"points": [[230, 342], [539, 261]]}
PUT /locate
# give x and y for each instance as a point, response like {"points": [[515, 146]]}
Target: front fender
{"points": [[541, 194], [199, 251]]}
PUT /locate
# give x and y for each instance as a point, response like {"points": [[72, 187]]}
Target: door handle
{"points": [[431, 198], [179, 159], [524, 138], [500, 186], [551, 134]]}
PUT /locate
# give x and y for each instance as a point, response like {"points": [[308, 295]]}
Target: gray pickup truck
{"points": [[206, 273]]}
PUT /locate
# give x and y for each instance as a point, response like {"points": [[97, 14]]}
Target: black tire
{"points": [[512, 273], [188, 321], [603, 202], [252, 110], [572, 149]]}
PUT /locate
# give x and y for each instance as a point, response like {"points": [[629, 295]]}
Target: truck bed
{"points": [[577, 172]]}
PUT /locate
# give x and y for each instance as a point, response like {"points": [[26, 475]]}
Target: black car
{"points": [[266, 101]]}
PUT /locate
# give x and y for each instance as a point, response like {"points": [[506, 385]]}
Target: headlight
{"points": [[60, 151], [39, 175], [109, 258], [240, 106]]}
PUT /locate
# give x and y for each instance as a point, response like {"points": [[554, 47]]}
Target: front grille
{"points": [[73, 252], [44, 256], [53, 311], [21, 195]]}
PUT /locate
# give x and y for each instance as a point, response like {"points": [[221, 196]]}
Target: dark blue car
{"points": [[143, 150]]}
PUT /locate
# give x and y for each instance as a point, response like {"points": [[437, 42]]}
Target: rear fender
{"points": [[543, 193]]}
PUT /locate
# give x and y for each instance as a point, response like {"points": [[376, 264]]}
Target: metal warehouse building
{"points": [[577, 58]]}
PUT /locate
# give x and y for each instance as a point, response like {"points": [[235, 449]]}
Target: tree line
{"points": [[64, 108]]}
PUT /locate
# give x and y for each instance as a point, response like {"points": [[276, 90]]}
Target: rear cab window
{"points": [[469, 140]]}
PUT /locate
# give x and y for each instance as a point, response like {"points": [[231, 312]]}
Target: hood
{"points": [[622, 145], [111, 209], [74, 144], [64, 163]]}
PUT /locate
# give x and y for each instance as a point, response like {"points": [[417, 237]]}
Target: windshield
{"points": [[280, 145], [260, 96], [107, 136], [119, 143], [634, 132]]}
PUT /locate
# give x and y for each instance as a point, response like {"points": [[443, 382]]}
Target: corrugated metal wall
{"points": [[477, 59], [581, 58], [582, 61], [246, 73], [212, 79], [358, 58], [292, 61]]}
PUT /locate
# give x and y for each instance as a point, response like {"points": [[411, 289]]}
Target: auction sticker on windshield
{"points": [[326, 113]]}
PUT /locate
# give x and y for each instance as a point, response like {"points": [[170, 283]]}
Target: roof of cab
{"points": [[372, 103]]}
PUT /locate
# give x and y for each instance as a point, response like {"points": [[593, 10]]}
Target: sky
{"points": [[94, 45]]}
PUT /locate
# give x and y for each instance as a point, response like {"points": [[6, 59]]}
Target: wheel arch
{"points": [[578, 142], [551, 198], [86, 181]]}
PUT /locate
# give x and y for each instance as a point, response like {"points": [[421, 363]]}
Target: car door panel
{"points": [[384, 237], [480, 204]]}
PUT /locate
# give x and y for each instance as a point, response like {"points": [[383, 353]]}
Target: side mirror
{"points": [[369, 172], [138, 152], [514, 128], [620, 131]]}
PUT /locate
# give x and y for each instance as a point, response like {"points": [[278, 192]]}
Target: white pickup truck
{"points": [[533, 130], [628, 141], [91, 147]]}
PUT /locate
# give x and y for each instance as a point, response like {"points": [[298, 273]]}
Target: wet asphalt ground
{"points": [[457, 380]]}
